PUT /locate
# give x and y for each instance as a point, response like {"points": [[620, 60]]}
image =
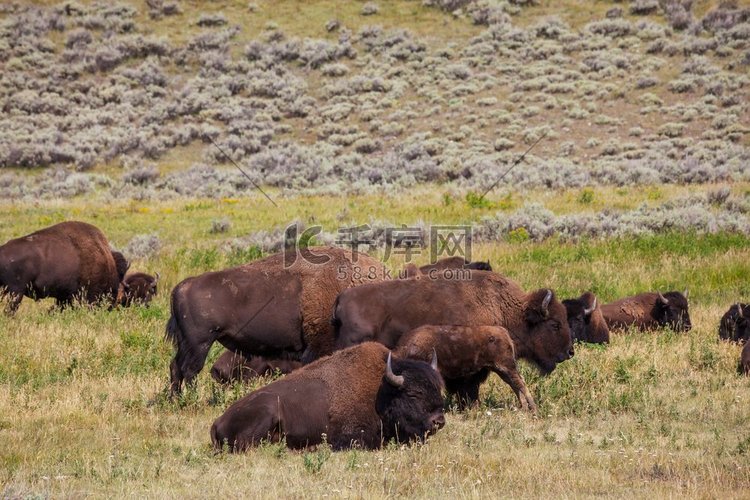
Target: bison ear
{"points": [[663, 299], [433, 363], [390, 377]]}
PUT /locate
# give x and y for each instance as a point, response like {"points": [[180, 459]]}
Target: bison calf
{"points": [[467, 356], [233, 366], [735, 324], [137, 288], [585, 319], [649, 310], [356, 397]]}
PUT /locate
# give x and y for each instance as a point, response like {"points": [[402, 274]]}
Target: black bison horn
{"points": [[587, 312], [545, 303], [157, 278], [739, 311], [663, 299], [393, 379], [433, 363], [126, 286]]}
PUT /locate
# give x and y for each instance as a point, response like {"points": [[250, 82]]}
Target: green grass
{"points": [[83, 406]]}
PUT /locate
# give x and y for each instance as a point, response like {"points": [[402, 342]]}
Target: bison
{"points": [[585, 319], [744, 366], [649, 310], [68, 261], [357, 397], [232, 367], [455, 263], [468, 355], [279, 306], [137, 288], [735, 324], [536, 321]]}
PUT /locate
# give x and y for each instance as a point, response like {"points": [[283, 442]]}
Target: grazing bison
{"points": [[385, 311], [467, 356], [263, 308], [233, 366], [735, 324], [585, 319], [649, 310], [137, 288], [357, 397], [744, 366], [68, 261]]}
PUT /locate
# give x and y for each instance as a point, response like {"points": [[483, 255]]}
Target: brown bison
{"points": [[585, 319], [278, 306], [358, 397], [137, 288], [744, 366], [232, 367], [649, 310], [735, 324], [455, 263], [384, 311], [68, 261], [467, 356]]}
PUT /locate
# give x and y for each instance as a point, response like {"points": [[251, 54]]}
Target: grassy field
{"points": [[84, 411]]}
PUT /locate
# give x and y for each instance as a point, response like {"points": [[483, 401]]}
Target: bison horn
{"points": [[157, 278], [587, 312], [686, 293], [739, 311], [433, 363], [126, 286], [392, 378], [663, 299], [545, 303]]}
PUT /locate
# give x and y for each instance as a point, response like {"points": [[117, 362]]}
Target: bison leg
{"points": [[466, 389], [186, 365], [515, 381]]}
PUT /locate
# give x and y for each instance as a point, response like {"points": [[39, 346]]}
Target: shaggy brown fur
{"points": [[264, 308], [67, 261], [137, 288], [385, 311], [467, 355], [586, 321], [344, 396], [455, 263], [232, 367], [735, 323], [744, 366], [649, 310]]}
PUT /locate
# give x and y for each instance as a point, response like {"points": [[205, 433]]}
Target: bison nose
{"points": [[437, 421]]}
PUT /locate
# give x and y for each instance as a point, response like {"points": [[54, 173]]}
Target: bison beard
{"points": [[467, 355], [68, 261], [263, 308], [357, 397], [384, 311]]}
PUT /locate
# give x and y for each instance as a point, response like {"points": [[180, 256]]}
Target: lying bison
{"points": [[137, 288], [744, 366], [455, 263], [735, 324], [233, 366], [467, 356], [357, 397], [649, 310], [265, 308], [68, 261], [585, 319], [385, 311]]}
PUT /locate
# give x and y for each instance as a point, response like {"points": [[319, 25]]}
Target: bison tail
{"points": [[173, 329], [335, 320]]}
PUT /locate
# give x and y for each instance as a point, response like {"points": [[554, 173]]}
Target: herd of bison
{"points": [[367, 359]]}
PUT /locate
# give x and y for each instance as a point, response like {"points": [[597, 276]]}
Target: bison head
{"points": [[121, 264], [410, 400], [735, 324], [585, 321], [478, 265], [139, 287], [548, 341], [671, 310]]}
